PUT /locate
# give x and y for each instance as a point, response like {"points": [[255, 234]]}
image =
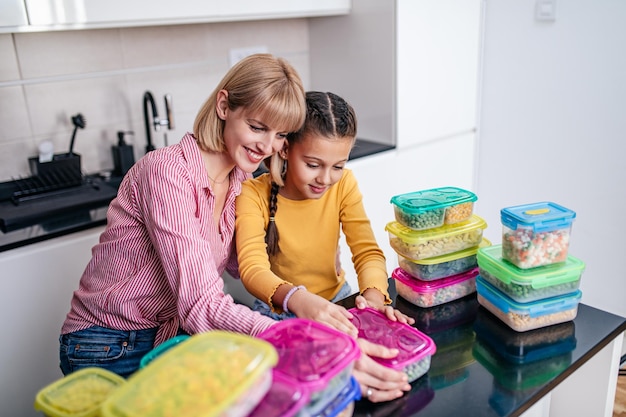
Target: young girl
{"points": [[289, 221], [169, 236]]}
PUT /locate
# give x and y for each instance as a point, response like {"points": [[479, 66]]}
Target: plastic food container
{"points": [[162, 348], [216, 373], [443, 266], [526, 285], [79, 394], [318, 357], [526, 347], [415, 347], [427, 209], [527, 316], [434, 293], [519, 377], [417, 245], [536, 234], [440, 318], [286, 398]]}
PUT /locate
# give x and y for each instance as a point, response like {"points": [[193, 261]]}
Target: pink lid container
{"points": [[317, 357], [415, 347], [433, 293]]}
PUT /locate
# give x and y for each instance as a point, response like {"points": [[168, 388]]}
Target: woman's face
{"points": [[313, 165], [247, 138]]}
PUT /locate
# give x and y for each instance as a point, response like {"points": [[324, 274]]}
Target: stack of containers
{"points": [[530, 281], [317, 361], [436, 236]]}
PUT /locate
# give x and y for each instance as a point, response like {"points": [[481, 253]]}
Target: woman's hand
{"points": [[306, 305], [378, 383], [375, 299]]}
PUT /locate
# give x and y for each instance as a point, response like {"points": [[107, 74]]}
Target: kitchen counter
{"points": [[483, 368], [38, 220]]}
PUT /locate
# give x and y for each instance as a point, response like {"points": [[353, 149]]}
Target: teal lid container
{"points": [[427, 209]]}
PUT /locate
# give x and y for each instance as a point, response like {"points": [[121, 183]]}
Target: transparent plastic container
{"points": [[526, 285], [536, 234], [522, 317], [78, 394], [216, 373], [434, 293], [415, 348], [340, 405], [445, 265], [417, 245], [318, 357], [427, 209]]}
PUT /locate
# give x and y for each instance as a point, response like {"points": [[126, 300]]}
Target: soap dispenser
{"points": [[123, 154]]}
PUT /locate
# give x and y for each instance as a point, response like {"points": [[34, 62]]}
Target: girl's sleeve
{"points": [[369, 260], [167, 198], [252, 216]]}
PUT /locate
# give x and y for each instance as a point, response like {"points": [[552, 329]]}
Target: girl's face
{"points": [[313, 165], [248, 140]]}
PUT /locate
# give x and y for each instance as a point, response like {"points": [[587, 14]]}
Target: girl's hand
{"points": [[306, 305], [378, 383], [377, 301]]}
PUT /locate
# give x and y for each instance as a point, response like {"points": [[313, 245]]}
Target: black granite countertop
{"points": [[483, 368]]}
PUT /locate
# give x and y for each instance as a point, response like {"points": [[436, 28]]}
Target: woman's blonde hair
{"points": [[262, 84]]}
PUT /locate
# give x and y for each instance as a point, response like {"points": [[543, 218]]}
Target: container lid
{"points": [[285, 398], [202, 377], [412, 344], [537, 308], [79, 394], [409, 235], [427, 287], [448, 257], [167, 345], [541, 217], [490, 259], [435, 198], [310, 352]]}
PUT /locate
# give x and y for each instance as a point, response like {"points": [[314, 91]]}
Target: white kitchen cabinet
{"points": [[37, 285], [409, 67], [85, 14], [12, 14]]}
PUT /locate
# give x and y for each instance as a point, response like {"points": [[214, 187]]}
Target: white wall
{"points": [[553, 126]]}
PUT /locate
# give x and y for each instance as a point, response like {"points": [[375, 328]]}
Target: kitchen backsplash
{"points": [[47, 77]]}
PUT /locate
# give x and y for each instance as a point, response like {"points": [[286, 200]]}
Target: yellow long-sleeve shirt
{"points": [[309, 233]]}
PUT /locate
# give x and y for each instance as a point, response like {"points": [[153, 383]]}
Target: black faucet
{"points": [[156, 122]]}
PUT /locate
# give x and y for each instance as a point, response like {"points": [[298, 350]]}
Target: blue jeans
{"points": [[264, 309], [118, 351]]}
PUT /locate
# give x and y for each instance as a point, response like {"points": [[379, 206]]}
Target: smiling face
{"points": [[247, 138], [314, 163]]}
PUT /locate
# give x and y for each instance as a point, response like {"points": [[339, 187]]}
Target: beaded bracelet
{"points": [[288, 296]]}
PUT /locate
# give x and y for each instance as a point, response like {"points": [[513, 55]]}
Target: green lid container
{"points": [[526, 285]]}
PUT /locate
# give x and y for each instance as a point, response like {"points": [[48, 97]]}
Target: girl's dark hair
{"points": [[328, 116]]}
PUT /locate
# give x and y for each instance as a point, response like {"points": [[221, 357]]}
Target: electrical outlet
{"points": [[237, 54]]}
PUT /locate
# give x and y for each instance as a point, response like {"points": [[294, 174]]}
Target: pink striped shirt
{"points": [[160, 259]]}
